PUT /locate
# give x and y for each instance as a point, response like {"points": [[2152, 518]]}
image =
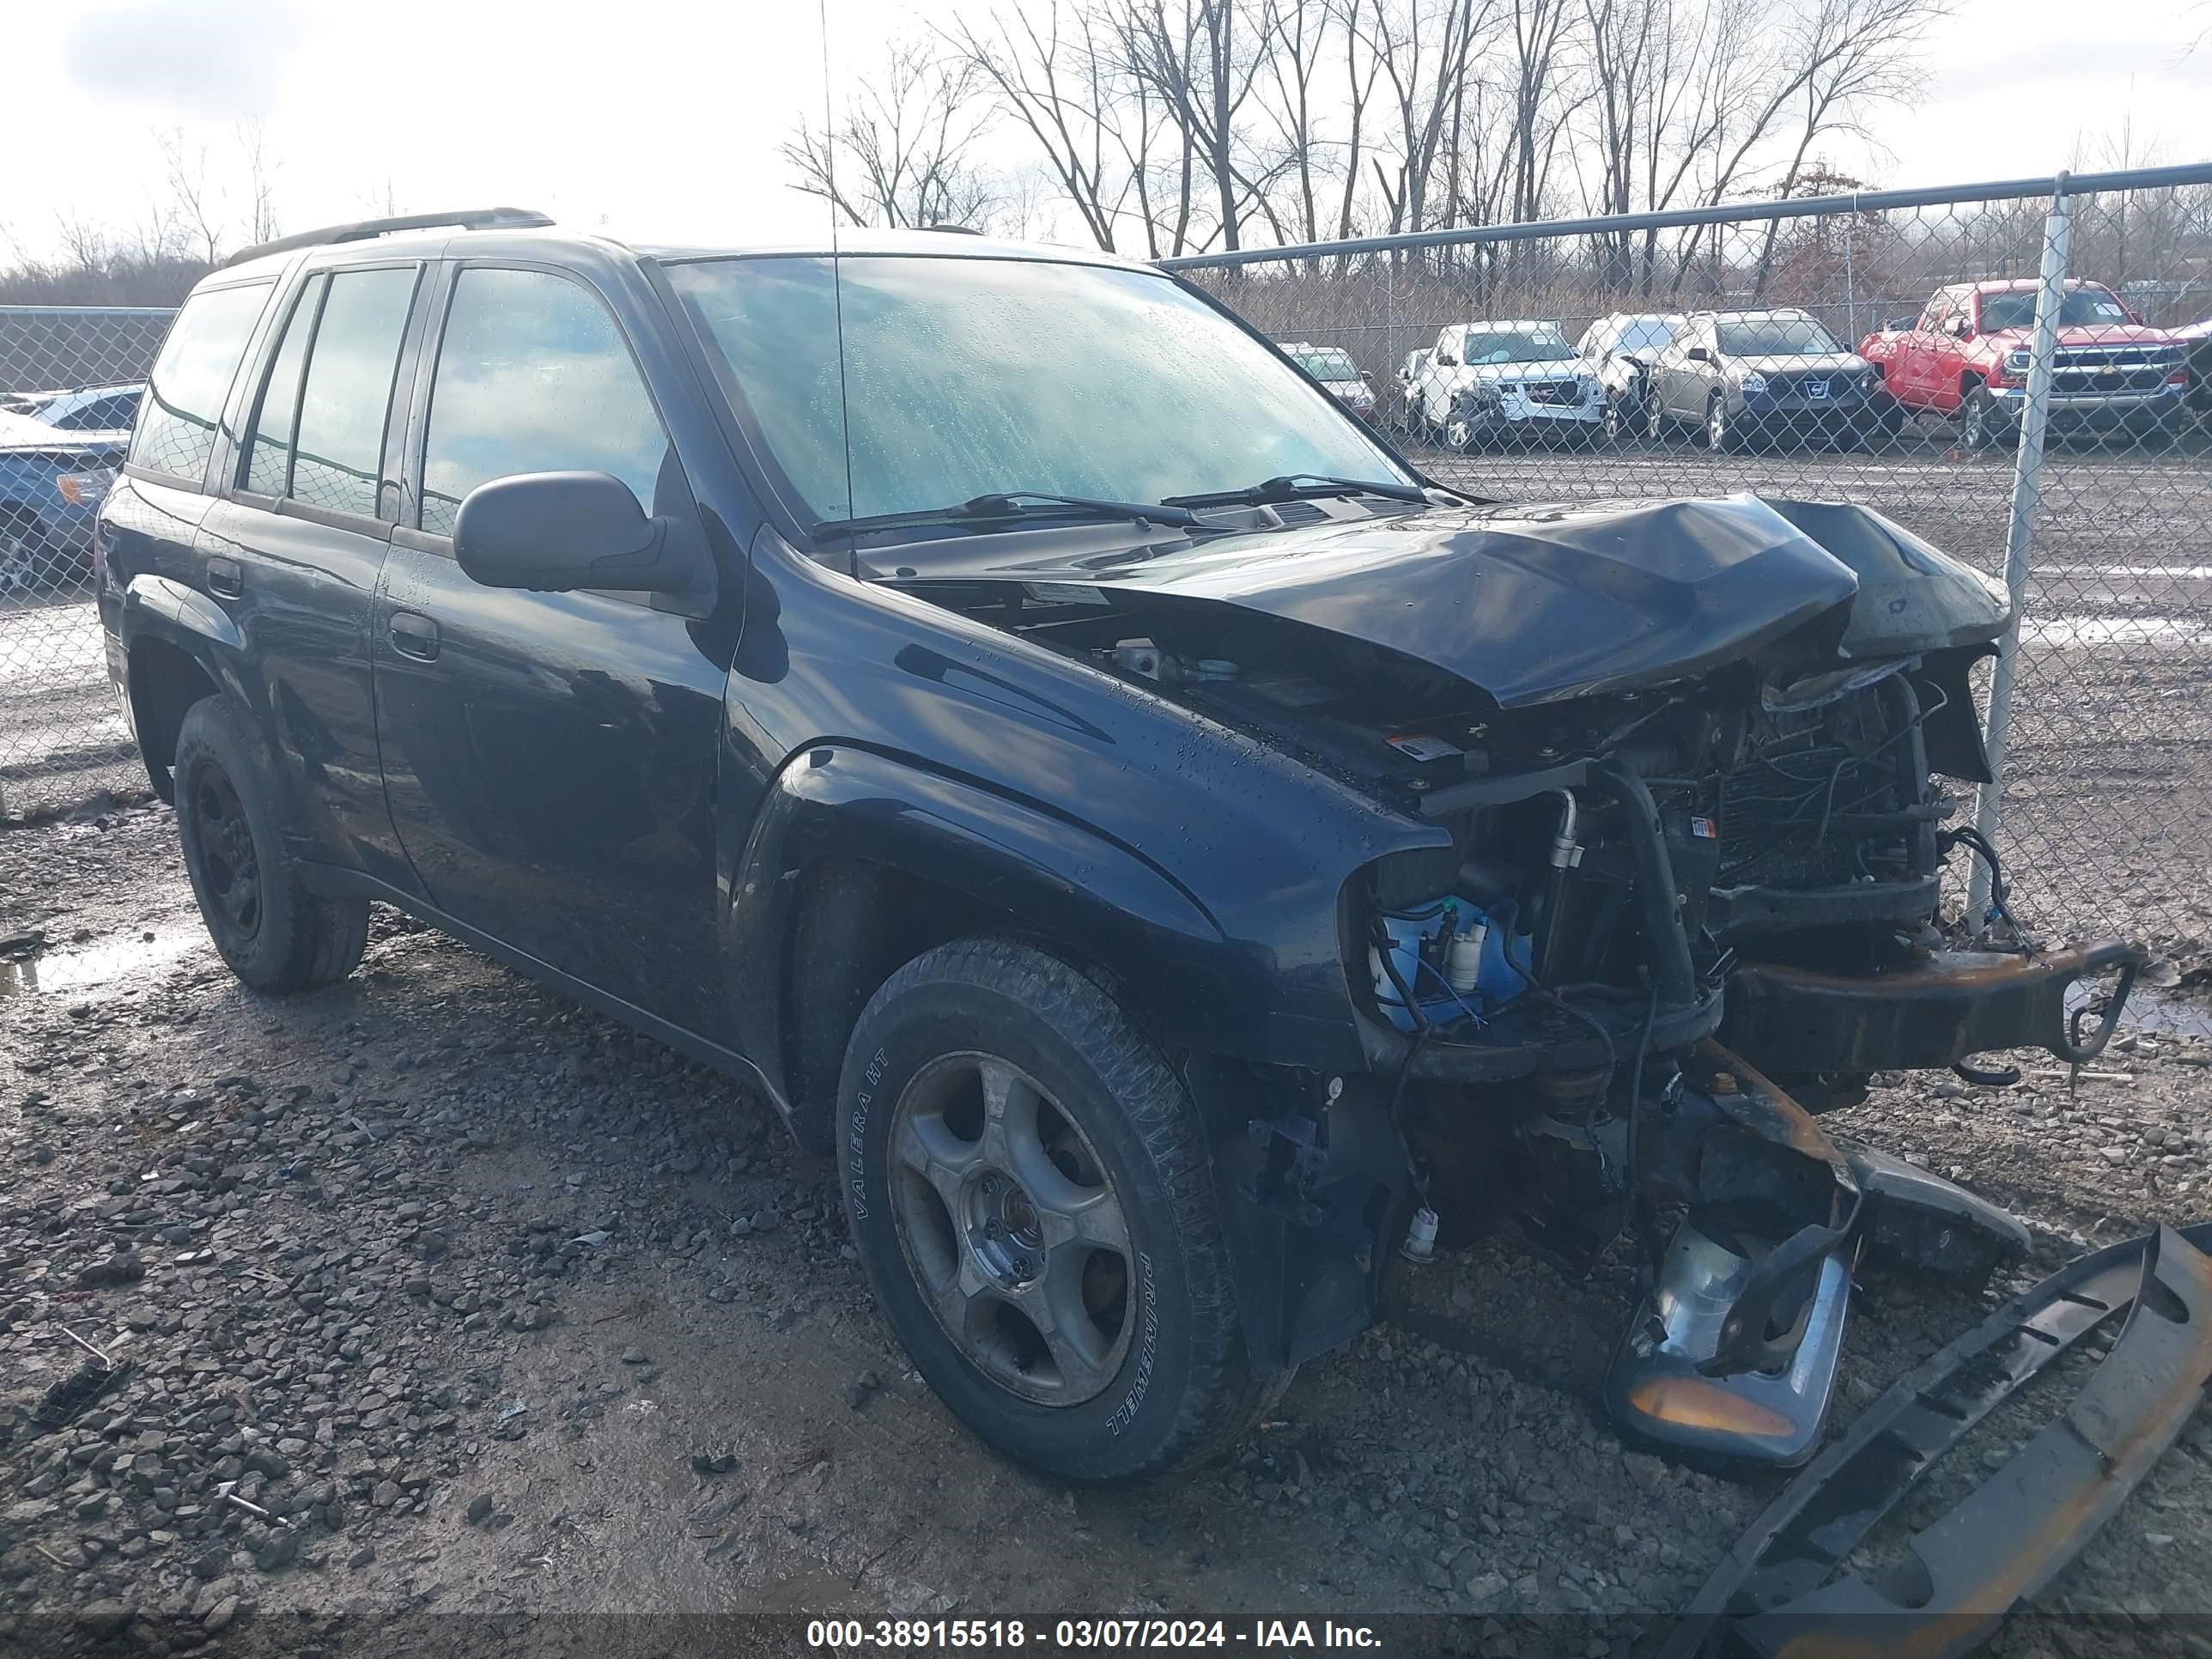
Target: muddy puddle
{"points": [[100, 964]]}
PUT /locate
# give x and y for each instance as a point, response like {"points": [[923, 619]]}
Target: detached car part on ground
{"points": [[1179, 865]]}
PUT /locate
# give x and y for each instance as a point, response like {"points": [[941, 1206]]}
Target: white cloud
{"points": [[223, 59]]}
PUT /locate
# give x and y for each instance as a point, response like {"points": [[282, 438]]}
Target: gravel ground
{"points": [[488, 1307]]}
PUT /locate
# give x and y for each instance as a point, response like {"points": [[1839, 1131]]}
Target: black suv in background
{"points": [[1169, 852]]}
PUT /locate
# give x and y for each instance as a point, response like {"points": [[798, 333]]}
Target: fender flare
{"points": [[1062, 880], [161, 609]]}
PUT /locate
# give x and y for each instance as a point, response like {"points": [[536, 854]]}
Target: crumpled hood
{"points": [[1537, 604]]}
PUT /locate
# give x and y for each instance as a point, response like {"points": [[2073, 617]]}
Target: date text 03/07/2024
{"points": [[1083, 1634]]}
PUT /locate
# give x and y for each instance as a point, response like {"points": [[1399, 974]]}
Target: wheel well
{"points": [[165, 682], [1969, 384], [855, 925]]}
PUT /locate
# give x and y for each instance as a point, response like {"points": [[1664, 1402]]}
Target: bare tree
{"points": [[1853, 54], [1200, 58], [904, 143], [195, 202], [252, 140], [1062, 76], [1425, 49]]}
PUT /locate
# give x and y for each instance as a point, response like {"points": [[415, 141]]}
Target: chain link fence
{"points": [[69, 382], [1879, 348]]}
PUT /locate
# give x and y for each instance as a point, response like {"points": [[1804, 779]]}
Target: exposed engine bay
{"points": [[1681, 897]]}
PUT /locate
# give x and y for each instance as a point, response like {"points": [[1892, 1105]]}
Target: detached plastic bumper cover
{"points": [[1780, 1590]]}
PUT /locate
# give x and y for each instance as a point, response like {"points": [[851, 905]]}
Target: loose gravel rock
{"points": [[432, 1293]]}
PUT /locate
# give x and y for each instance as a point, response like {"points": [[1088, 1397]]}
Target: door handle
{"points": [[225, 578], [415, 636]]}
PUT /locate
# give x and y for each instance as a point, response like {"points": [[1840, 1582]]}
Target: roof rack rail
{"points": [[497, 218], [955, 230]]}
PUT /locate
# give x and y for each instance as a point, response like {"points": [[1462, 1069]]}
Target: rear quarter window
{"points": [[192, 378]]}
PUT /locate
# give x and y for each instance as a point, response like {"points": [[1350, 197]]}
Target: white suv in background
{"points": [[1509, 381], [1339, 375]]}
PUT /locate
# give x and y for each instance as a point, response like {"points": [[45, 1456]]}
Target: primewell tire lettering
{"points": [[1125, 1412]]}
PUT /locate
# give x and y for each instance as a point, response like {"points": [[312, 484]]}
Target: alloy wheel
{"points": [[1010, 1226]]}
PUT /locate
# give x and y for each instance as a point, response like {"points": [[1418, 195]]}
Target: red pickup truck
{"points": [[1966, 356]]}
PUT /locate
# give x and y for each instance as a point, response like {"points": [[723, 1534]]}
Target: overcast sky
{"points": [[662, 120]]}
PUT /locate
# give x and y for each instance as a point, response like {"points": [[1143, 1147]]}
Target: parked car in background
{"points": [[1506, 382], [1741, 376], [1339, 376], [1619, 351], [87, 409], [2196, 357], [52, 478], [1965, 357], [1405, 411]]}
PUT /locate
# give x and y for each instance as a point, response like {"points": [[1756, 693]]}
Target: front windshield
{"points": [[1647, 334], [1776, 336], [1331, 365], [1513, 346], [963, 377], [2082, 307]]}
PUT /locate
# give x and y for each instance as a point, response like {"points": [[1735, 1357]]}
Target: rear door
{"points": [[550, 758], [294, 550]]}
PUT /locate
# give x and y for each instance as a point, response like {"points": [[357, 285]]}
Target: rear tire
{"points": [[275, 936], [1030, 1192]]}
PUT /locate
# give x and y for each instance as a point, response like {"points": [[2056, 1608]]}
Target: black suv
{"points": [[1175, 856]]}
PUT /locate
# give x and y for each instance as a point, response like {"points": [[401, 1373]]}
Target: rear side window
{"points": [[533, 377], [339, 446], [268, 453], [190, 378]]}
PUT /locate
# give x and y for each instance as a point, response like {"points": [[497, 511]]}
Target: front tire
{"points": [[1721, 434], [1030, 1192], [274, 935], [23, 562], [1987, 427]]}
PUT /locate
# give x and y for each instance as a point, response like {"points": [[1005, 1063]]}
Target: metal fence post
{"points": [[2019, 535]]}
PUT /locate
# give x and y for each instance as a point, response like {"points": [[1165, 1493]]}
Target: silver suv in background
{"points": [[1509, 381], [1739, 376], [1619, 349]]}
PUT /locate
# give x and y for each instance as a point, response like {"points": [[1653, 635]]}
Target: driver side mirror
{"points": [[1697, 354], [552, 532], [1903, 324], [1963, 327], [1445, 359]]}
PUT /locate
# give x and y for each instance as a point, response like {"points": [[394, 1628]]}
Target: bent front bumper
{"points": [[1933, 1011]]}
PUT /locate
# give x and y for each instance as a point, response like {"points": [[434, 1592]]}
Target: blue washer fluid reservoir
{"points": [[1497, 981]]}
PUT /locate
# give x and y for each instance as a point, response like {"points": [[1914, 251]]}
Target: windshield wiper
{"points": [[1294, 484], [1011, 504]]}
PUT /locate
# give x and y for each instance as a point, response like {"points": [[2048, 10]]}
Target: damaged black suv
{"points": [[1177, 858]]}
